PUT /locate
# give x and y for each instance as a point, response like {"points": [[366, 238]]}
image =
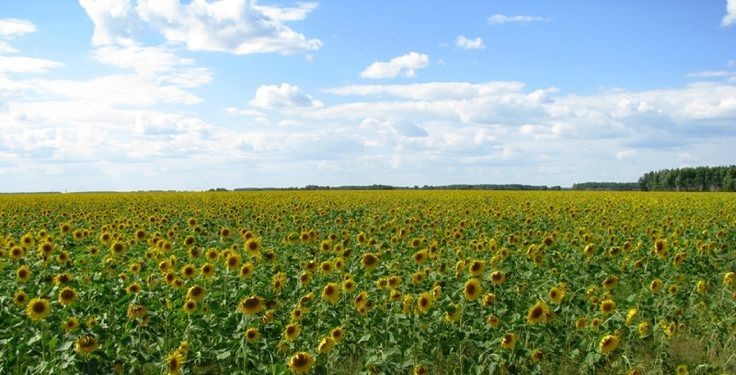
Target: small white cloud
{"points": [[500, 19], [730, 17], [283, 96], [625, 154], [405, 65], [465, 43], [21, 64], [10, 27], [286, 14]]}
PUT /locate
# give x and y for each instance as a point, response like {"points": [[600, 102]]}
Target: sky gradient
{"points": [[189, 95]]}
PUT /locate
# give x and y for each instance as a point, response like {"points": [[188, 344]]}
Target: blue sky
{"points": [[173, 94]]}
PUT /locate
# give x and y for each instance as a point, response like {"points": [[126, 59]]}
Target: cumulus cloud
{"points": [[500, 19], [465, 43], [405, 65], [730, 17], [283, 96], [114, 20]]}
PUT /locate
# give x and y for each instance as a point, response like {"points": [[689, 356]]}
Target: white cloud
{"points": [[114, 20], [22, 64], [430, 90], [115, 90], [405, 65], [283, 96], [10, 27], [730, 17], [155, 63], [500, 19], [465, 43], [625, 154], [286, 14], [235, 26]]}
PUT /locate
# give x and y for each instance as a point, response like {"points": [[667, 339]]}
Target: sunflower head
{"points": [[38, 309], [252, 335], [86, 344], [608, 344], [251, 305], [472, 289], [301, 363]]}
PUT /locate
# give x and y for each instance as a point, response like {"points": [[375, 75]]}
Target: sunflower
{"points": [[338, 333], [189, 306], [681, 370], [67, 296], [38, 309], [135, 311], [70, 324], [278, 281], [556, 295], [188, 271], [20, 297], [406, 304], [252, 335], [489, 299], [232, 261], [595, 324], [348, 285], [369, 261], [207, 270], [253, 247], [291, 331], [251, 305], [196, 293], [701, 287], [608, 344], [538, 313], [174, 363], [246, 270], [493, 321], [331, 293], [420, 256], [609, 282], [537, 355], [508, 341], [325, 345], [421, 370], [453, 312], [326, 267], [301, 363], [498, 277], [607, 306], [23, 274], [17, 252], [630, 315], [655, 286], [86, 344], [729, 279], [477, 268], [580, 323], [424, 302], [472, 289]]}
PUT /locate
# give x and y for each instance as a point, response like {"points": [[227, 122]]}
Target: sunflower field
{"points": [[345, 282]]}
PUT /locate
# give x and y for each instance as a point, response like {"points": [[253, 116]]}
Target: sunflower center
{"points": [[39, 307]]}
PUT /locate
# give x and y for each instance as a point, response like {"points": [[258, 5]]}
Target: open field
{"points": [[381, 282]]}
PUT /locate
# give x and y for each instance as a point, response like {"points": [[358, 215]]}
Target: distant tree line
{"points": [[618, 186], [690, 179]]}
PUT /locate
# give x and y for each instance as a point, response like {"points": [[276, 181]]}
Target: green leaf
{"points": [[65, 346]]}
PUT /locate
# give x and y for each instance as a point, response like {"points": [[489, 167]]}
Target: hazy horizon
{"points": [[127, 95]]}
